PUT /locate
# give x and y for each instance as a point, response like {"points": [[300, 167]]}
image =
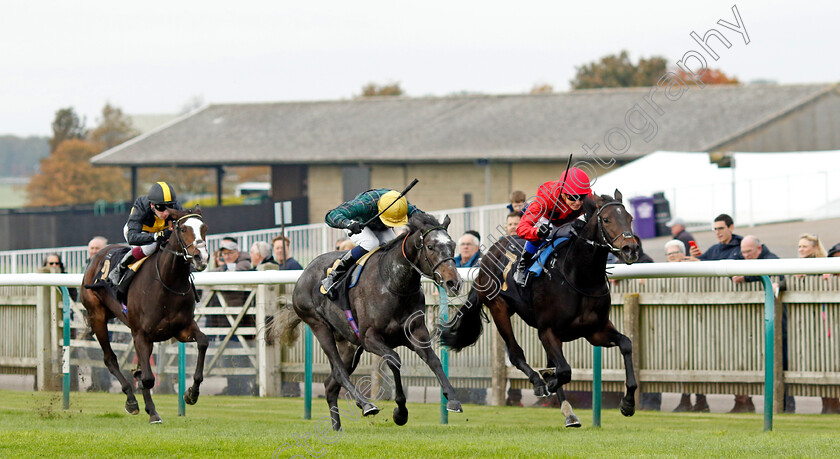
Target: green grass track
{"points": [[34, 425]]}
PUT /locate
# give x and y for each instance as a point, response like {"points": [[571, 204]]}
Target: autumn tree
{"points": [[67, 125], [710, 76], [114, 128], [542, 88], [373, 89], [67, 177], [617, 71]]}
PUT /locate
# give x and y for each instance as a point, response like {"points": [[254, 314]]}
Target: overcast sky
{"points": [[154, 56]]}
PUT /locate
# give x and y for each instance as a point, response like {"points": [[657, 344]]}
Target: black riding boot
{"points": [[116, 274], [522, 275], [336, 274]]}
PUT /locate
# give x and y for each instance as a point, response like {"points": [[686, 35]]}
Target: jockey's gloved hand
{"points": [[578, 224], [162, 235], [543, 230], [354, 227]]}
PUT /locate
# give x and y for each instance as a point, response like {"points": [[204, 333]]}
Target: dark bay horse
{"points": [[569, 300], [160, 305], [388, 305]]}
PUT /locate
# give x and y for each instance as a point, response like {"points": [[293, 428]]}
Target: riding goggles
{"points": [[162, 207], [575, 197]]}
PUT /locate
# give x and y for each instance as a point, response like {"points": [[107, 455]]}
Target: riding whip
{"points": [[560, 195], [409, 187]]}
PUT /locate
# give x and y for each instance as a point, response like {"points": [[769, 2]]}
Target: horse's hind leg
{"points": [[143, 346], [100, 329], [193, 333], [515, 352], [375, 344], [610, 337], [562, 374], [332, 387]]}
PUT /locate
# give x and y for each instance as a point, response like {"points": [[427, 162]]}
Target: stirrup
{"points": [[522, 278]]}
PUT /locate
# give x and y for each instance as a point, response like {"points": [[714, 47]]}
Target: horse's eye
{"points": [[606, 220], [430, 247], [183, 230]]}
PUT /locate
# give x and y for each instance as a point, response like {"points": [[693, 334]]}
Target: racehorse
{"points": [[160, 304], [569, 300], [388, 305]]}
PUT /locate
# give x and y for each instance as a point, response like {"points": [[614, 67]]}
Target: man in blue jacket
{"points": [[729, 247]]}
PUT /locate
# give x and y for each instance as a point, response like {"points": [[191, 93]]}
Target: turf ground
{"points": [[33, 424]]}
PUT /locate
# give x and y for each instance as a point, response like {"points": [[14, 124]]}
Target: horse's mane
{"points": [[417, 222], [589, 207]]}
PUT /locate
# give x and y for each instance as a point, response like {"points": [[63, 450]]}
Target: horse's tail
{"points": [[284, 326], [465, 328]]}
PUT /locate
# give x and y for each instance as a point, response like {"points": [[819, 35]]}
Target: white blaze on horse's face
{"points": [[196, 224]]}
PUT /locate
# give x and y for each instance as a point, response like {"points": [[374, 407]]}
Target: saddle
{"points": [[348, 281], [538, 263], [113, 257]]}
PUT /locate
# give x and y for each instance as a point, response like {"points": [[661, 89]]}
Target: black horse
{"points": [[570, 300], [388, 305], [160, 305]]}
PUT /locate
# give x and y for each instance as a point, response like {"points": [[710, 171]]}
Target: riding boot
{"points": [[116, 274], [336, 274], [522, 275]]}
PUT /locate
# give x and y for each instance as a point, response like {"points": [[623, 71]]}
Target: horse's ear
{"points": [[196, 209], [618, 195], [446, 222]]}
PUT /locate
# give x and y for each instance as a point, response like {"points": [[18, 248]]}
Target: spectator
{"points": [[53, 264], [511, 222], [242, 255], [282, 254], [675, 252], [834, 251], [517, 202], [729, 247], [95, 245], [677, 226], [260, 252], [339, 242], [474, 233], [810, 246], [347, 244], [469, 254], [231, 258]]}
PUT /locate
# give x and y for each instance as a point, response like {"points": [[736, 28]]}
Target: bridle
{"points": [[608, 243], [422, 248], [185, 254]]}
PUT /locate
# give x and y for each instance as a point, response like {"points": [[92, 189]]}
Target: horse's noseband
{"points": [[186, 252], [610, 243]]}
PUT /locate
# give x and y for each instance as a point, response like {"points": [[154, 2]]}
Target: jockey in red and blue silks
{"points": [[566, 206]]}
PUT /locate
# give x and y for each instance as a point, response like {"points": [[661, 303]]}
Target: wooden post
{"points": [[498, 380], [778, 372], [262, 349], [270, 377], [45, 376], [632, 319]]}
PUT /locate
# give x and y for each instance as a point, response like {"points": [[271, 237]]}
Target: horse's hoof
{"points": [[541, 391], [454, 406], [400, 416], [155, 419], [191, 396], [132, 408], [572, 421], [370, 410], [628, 409]]}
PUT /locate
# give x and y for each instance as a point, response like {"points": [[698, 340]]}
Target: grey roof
{"points": [[509, 127]]}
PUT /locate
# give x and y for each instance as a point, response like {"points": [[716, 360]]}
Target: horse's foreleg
{"points": [[375, 344], [143, 346], [193, 333], [327, 341], [421, 335], [515, 352], [100, 329], [610, 337]]}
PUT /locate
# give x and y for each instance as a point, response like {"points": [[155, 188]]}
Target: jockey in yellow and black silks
{"points": [[147, 226]]}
